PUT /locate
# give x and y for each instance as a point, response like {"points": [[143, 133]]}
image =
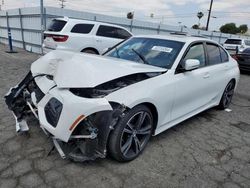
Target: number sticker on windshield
{"points": [[162, 49]]}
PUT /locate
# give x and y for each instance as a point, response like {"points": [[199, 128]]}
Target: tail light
{"points": [[57, 38], [235, 57]]}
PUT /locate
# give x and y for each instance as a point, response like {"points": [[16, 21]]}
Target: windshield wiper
{"points": [[117, 52], [141, 56]]}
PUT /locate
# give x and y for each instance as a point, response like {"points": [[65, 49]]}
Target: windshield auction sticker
{"points": [[162, 49]]}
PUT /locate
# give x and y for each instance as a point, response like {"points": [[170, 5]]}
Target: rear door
{"points": [[80, 36], [218, 63], [108, 36]]}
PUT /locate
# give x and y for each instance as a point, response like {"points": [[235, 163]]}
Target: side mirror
{"points": [[191, 64]]}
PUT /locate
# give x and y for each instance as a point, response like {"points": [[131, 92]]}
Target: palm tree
{"points": [[199, 15]]}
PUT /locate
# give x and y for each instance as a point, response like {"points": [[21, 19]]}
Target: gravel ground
{"points": [[211, 149]]}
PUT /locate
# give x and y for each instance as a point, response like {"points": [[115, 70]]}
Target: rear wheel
{"points": [[227, 96], [131, 134]]}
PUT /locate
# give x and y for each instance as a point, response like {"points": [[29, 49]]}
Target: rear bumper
{"points": [[244, 67]]}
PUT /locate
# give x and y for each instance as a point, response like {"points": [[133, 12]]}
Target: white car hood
{"points": [[76, 70]]}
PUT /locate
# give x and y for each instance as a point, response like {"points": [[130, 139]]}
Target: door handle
{"points": [[206, 75], [98, 40]]}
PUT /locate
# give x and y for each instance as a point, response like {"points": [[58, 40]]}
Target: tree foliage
{"points": [[233, 29]]}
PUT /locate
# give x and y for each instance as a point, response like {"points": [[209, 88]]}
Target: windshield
{"points": [[156, 52]]}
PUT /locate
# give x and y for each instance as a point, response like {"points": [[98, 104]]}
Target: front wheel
{"points": [[227, 96], [131, 134]]}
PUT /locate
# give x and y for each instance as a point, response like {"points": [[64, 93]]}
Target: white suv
{"points": [[232, 44], [82, 36]]}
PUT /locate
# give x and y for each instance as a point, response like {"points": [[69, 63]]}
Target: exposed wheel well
{"points": [[154, 113], [234, 81], [89, 48]]}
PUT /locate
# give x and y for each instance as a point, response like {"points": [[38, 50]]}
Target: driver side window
{"points": [[196, 52]]}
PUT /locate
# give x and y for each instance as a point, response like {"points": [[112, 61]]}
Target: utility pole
{"points": [[209, 13], [62, 3], [42, 23]]}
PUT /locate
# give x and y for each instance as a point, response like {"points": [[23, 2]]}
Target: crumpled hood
{"points": [[77, 70]]}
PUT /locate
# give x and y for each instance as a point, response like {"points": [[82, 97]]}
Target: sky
{"points": [[171, 12]]}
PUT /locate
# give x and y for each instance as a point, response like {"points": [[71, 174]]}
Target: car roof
{"points": [[179, 38], [75, 21]]}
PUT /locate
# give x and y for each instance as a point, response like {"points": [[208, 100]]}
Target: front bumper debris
{"points": [[87, 141]]}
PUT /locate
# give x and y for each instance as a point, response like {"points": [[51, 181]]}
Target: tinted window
{"points": [[224, 56], [155, 52], [233, 41], [213, 54], [112, 32], [196, 52], [82, 28], [247, 42], [122, 34], [56, 25]]}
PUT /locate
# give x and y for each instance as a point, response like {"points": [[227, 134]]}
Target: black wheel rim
{"points": [[136, 134], [228, 94]]}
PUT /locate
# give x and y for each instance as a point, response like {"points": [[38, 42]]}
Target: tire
{"points": [[227, 96], [129, 138], [89, 51]]}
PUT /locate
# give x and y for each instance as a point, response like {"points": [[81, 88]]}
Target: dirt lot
{"points": [[211, 149]]}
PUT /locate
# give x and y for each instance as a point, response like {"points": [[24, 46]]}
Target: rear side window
{"points": [[224, 56], [196, 52], [233, 41], [214, 56], [82, 28], [247, 42], [112, 32], [56, 25], [122, 34]]}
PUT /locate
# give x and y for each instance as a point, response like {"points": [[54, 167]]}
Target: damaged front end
{"points": [[88, 134], [90, 138], [19, 101], [79, 120]]}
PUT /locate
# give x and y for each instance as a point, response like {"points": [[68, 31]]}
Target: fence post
{"points": [[21, 27], [158, 29], [94, 18], [131, 25], [45, 18], [220, 38], [9, 35], [211, 36]]}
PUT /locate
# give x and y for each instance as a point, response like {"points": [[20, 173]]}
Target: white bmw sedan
{"points": [[93, 105]]}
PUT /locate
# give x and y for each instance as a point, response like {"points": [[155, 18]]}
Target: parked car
{"points": [[82, 35], [243, 60], [236, 44], [93, 105]]}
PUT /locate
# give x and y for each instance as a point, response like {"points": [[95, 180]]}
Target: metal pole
{"points": [[21, 27], [9, 35], [209, 13], [42, 23]]}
